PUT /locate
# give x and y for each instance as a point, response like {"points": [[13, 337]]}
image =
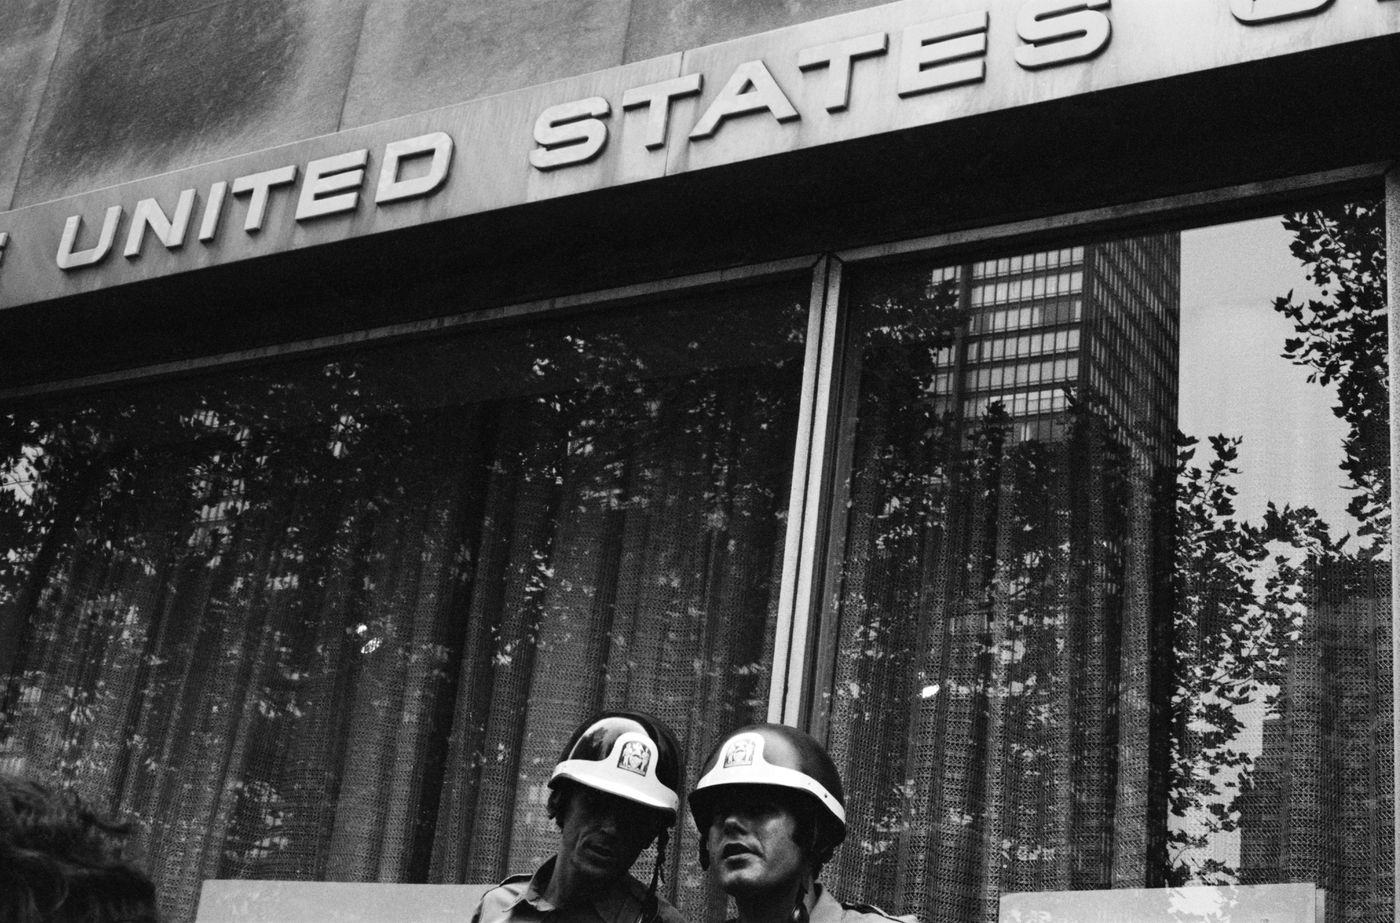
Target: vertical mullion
{"points": [[1392, 250], [802, 550], [797, 496], [829, 534]]}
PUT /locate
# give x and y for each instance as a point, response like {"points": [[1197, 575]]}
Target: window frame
{"points": [[804, 643], [821, 548]]}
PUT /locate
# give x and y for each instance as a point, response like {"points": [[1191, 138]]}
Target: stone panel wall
{"points": [[112, 90]]}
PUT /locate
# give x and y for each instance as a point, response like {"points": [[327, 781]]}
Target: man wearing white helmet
{"points": [[770, 811], [615, 790]]}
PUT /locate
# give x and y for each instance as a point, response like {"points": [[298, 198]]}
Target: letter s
{"points": [[1060, 31], [570, 133]]}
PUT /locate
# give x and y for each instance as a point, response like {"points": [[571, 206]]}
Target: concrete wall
{"points": [[103, 91]]}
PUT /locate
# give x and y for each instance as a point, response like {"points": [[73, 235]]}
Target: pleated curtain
{"points": [[330, 625]]}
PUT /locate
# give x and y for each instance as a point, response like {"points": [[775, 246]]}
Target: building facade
{"points": [[388, 386]]}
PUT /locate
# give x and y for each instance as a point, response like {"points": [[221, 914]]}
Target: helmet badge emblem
{"points": [[635, 757], [739, 753]]}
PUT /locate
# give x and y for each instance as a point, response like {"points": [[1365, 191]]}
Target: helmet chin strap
{"points": [[809, 852], [651, 908], [799, 912]]}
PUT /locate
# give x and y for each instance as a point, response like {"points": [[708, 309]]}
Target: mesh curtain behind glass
{"points": [[316, 632]]}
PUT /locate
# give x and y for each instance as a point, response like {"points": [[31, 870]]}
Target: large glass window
{"points": [[1105, 601], [1110, 601], [334, 619]]}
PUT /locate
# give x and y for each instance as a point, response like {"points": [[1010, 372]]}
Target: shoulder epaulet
{"points": [[876, 911], [489, 899], [511, 880]]}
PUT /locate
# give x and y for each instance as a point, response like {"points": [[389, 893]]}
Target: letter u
{"points": [[68, 259]]}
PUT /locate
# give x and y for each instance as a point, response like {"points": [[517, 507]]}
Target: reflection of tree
{"points": [[1342, 340], [1057, 564], [196, 545], [911, 440], [1239, 609], [1050, 672], [334, 619], [1269, 614], [983, 639]]}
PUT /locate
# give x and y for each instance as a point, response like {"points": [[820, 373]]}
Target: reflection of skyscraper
{"points": [[1101, 319], [1011, 578], [1259, 809], [1097, 324], [1314, 810]]}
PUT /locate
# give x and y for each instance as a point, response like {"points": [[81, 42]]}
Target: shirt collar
{"points": [[622, 901], [827, 909], [609, 905], [535, 887]]}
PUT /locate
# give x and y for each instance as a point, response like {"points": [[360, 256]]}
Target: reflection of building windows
{"points": [[1310, 811], [997, 545], [1052, 652], [1031, 319]]}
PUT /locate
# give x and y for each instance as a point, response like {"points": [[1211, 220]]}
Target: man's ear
{"points": [[557, 802]]}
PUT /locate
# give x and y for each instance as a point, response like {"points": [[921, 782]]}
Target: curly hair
{"points": [[60, 862]]}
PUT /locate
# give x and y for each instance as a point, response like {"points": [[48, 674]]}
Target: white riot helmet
{"points": [[628, 754], [776, 756], [631, 755]]}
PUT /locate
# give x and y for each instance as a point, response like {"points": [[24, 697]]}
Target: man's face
{"points": [[601, 834], [752, 842]]}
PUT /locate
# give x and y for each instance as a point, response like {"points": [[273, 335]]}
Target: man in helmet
{"points": [[615, 790], [770, 811]]}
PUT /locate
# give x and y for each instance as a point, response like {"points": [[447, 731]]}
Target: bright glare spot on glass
{"points": [[929, 691]]}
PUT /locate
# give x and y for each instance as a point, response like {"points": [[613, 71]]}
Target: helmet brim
{"points": [[719, 779], [644, 791]]}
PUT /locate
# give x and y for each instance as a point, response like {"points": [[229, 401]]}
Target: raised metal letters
{"points": [[905, 57], [437, 145], [149, 214], [343, 174], [213, 209], [839, 58], [751, 88], [260, 184], [332, 185], [657, 98], [570, 133], [1060, 31], [68, 258], [1257, 11], [944, 53]]}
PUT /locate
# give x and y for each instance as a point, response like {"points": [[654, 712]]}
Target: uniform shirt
{"points": [[829, 910], [520, 899]]}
